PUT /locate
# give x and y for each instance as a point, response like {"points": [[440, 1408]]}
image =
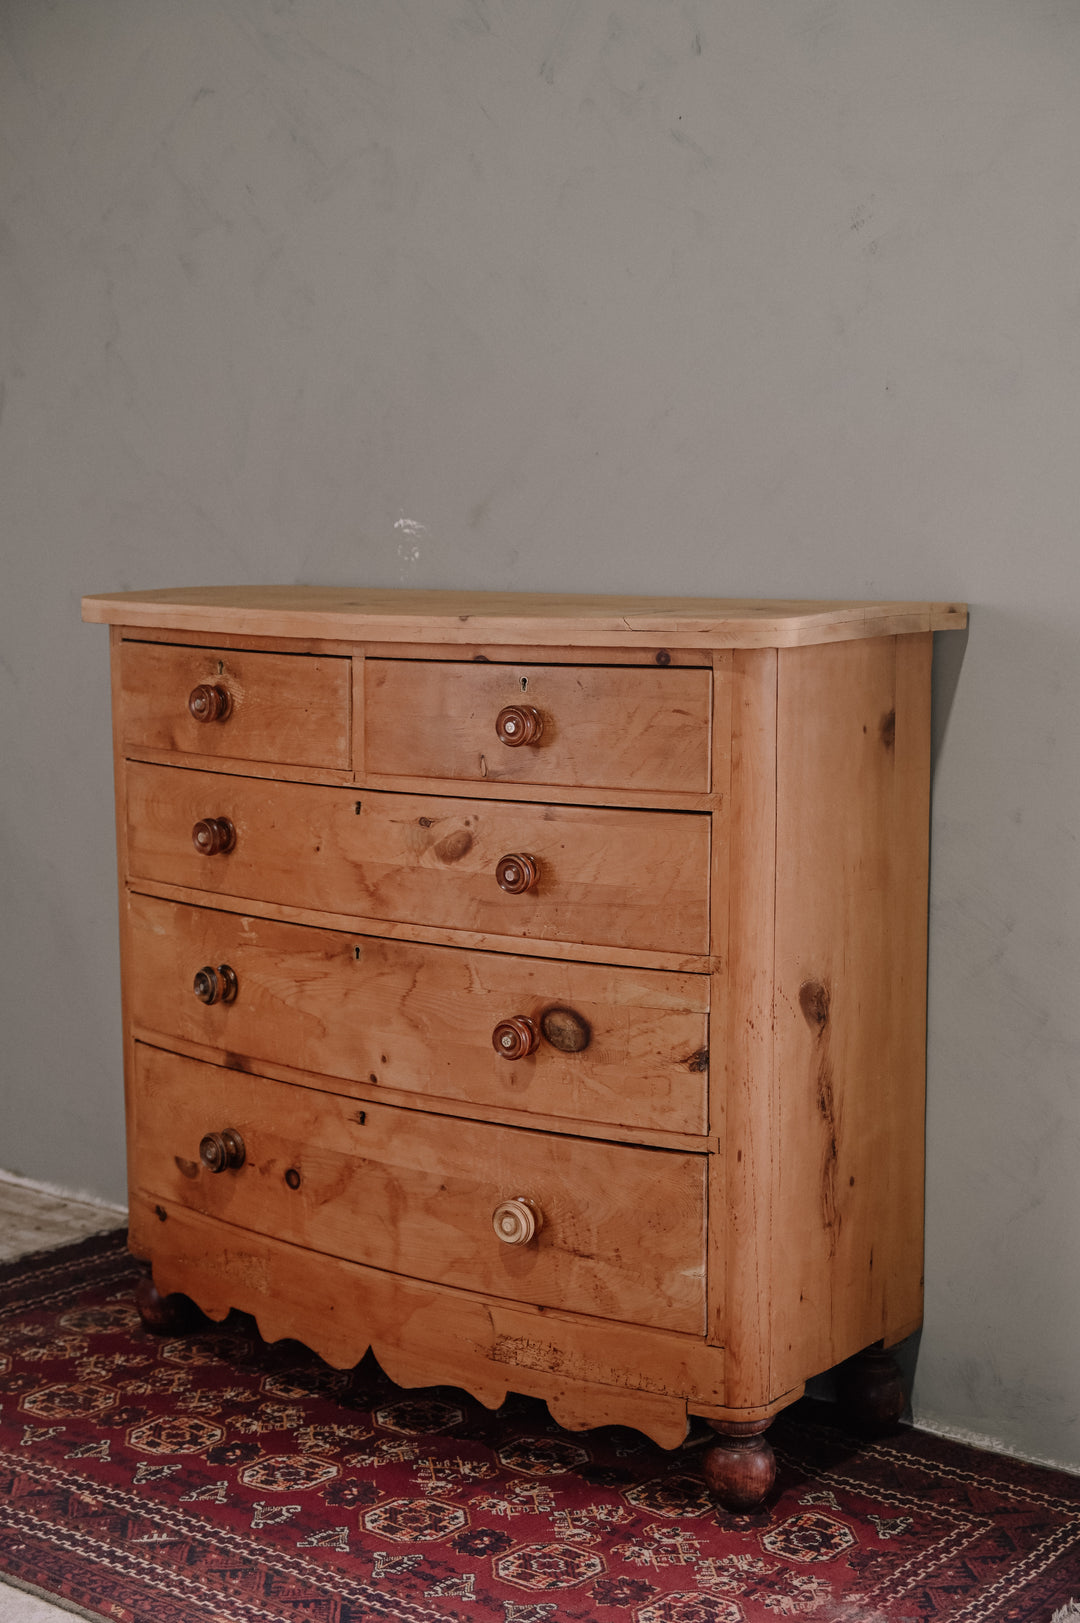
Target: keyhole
{"points": [[221, 667], [524, 684]]}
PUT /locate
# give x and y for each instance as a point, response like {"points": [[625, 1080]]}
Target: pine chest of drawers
{"points": [[529, 988]]}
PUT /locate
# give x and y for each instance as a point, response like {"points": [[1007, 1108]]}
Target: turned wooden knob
{"points": [[515, 1037], [209, 703], [519, 724], [517, 1221], [219, 1151], [213, 834], [215, 985], [517, 873]]}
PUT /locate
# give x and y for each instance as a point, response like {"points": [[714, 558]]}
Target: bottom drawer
{"points": [[620, 1230]]}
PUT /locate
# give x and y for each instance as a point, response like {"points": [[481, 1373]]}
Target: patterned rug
{"points": [[211, 1476]]}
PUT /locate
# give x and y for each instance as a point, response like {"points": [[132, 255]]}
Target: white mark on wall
{"points": [[410, 549]]}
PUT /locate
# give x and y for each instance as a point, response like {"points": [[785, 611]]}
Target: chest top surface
{"points": [[551, 619]]}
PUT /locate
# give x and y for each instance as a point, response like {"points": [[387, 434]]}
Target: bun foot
{"points": [[740, 1467], [871, 1393], [165, 1315]]}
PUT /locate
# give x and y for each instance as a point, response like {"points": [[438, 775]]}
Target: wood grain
{"points": [[513, 618], [644, 729], [628, 878], [284, 707], [419, 1018], [852, 833], [743, 1229], [414, 1194]]}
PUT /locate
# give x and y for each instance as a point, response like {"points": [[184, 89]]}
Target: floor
{"points": [[36, 1219]]}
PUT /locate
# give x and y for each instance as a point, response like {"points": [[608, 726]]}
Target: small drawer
{"points": [[605, 1229], [594, 875], [591, 726], [582, 1041], [290, 709]]}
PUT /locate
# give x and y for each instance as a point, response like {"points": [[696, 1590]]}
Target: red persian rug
{"points": [[211, 1476]]}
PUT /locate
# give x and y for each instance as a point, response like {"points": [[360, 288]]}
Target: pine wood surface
{"points": [[851, 897], [730, 797], [289, 708], [415, 1194], [641, 729], [513, 618], [628, 878], [589, 1371], [419, 1019]]}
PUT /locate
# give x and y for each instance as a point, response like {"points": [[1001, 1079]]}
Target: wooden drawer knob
{"points": [[213, 834], [519, 724], [215, 985], [515, 1037], [209, 703], [517, 873], [218, 1151], [517, 1221]]}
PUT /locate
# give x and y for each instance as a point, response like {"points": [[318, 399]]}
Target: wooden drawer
{"points": [[631, 728], [292, 709], [606, 876], [422, 1019], [622, 1228]]}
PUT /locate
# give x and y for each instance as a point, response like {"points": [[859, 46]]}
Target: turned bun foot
{"points": [[870, 1390], [740, 1467], [165, 1315]]}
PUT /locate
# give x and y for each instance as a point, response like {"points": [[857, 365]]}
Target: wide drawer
{"points": [[605, 876], [621, 1230], [599, 727], [290, 709], [427, 1019]]}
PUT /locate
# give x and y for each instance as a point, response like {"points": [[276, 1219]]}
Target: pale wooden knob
{"points": [[515, 1037], [212, 835], [519, 724], [517, 873], [218, 985], [208, 702], [517, 1221], [218, 1151]]}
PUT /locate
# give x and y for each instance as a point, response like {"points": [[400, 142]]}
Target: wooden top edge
{"points": [[356, 614]]}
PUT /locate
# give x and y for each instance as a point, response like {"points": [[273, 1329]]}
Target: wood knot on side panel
{"points": [[814, 1003], [815, 1000]]}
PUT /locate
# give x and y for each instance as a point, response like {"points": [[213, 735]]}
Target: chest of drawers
{"points": [[531, 989]]}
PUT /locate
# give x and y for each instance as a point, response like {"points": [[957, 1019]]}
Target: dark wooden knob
{"points": [[519, 724], [517, 873], [515, 1037], [565, 1030], [209, 703], [219, 1151], [213, 834], [215, 985]]}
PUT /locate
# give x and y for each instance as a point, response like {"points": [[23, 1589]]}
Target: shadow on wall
{"points": [[949, 650]]}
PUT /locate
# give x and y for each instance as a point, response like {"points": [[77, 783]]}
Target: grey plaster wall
{"points": [[745, 298]]}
